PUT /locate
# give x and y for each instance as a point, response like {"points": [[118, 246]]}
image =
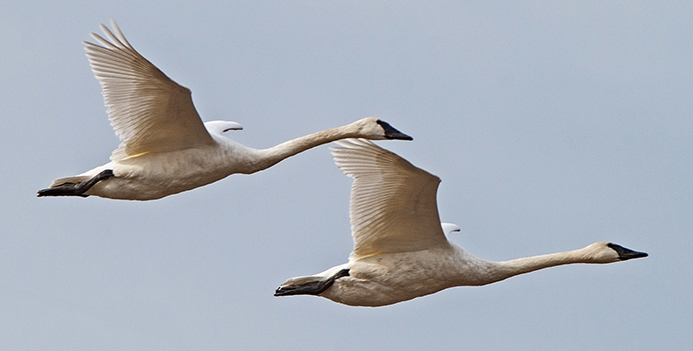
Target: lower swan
{"points": [[400, 249]]}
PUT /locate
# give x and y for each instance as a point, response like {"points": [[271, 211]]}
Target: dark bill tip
{"points": [[392, 133], [626, 253]]}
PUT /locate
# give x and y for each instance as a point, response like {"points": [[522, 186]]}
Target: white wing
{"points": [[393, 203], [148, 111]]}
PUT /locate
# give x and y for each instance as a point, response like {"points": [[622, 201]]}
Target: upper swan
{"points": [[400, 249], [165, 147]]}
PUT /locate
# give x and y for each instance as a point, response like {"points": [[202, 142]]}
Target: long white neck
{"points": [[265, 158], [471, 270], [474, 271], [502, 270], [529, 264]]}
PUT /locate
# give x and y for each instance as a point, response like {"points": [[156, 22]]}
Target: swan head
{"points": [[377, 129], [605, 252], [219, 127], [448, 228]]}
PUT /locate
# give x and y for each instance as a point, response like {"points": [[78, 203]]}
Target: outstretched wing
{"points": [[148, 111], [393, 203]]}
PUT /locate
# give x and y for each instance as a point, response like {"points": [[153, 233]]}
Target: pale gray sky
{"points": [[552, 125]]}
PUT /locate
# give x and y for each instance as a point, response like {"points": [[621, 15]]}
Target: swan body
{"points": [[400, 249], [165, 147]]}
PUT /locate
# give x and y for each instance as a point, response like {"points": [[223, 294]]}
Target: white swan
{"points": [[165, 148], [400, 249]]}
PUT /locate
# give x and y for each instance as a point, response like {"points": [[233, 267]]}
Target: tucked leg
{"points": [[76, 189], [311, 288]]}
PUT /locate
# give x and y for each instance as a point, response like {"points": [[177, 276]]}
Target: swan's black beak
{"points": [[392, 133], [626, 253]]}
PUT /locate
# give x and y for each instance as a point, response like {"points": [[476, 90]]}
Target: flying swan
{"points": [[165, 147], [400, 249]]}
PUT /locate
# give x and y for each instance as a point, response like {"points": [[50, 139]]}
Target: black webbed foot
{"points": [[76, 189], [310, 288]]}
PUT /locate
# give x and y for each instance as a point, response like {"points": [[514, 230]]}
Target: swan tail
{"points": [[74, 186], [69, 180], [315, 285]]}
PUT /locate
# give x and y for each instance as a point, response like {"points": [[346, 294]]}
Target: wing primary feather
{"points": [[149, 112], [393, 206]]}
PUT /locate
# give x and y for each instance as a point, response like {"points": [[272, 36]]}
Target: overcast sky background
{"points": [[552, 125]]}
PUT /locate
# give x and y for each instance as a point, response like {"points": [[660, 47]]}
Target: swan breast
{"points": [[390, 278], [155, 175]]}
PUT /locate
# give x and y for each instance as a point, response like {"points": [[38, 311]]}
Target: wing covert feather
{"points": [[148, 111], [393, 203]]}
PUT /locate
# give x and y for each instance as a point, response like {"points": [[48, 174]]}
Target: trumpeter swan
{"points": [[400, 249], [165, 147]]}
